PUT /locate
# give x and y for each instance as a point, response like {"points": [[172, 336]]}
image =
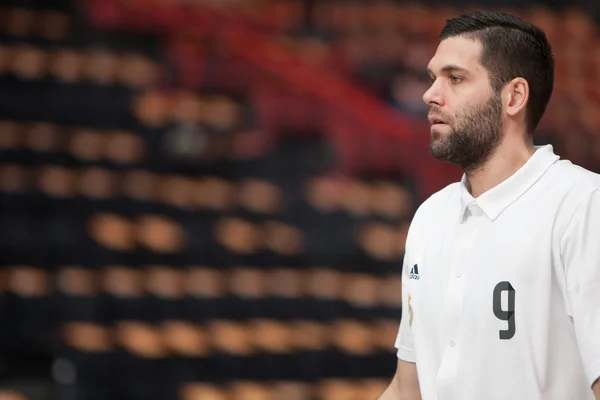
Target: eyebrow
{"points": [[448, 69]]}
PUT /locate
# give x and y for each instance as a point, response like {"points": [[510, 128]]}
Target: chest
{"points": [[480, 272]]}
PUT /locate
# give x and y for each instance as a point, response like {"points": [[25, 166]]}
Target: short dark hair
{"points": [[511, 48]]}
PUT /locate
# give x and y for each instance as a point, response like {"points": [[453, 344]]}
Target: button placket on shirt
{"points": [[460, 258]]}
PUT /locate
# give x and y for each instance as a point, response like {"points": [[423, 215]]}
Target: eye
{"points": [[455, 79]]}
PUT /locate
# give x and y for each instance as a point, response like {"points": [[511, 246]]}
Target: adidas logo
{"points": [[414, 273]]}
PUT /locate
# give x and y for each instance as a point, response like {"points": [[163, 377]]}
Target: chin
{"points": [[440, 128], [439, 132]]}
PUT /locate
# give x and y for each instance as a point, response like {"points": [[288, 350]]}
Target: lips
{"points": [[436, 120]]}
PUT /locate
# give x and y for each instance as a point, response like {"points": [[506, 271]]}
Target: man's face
{"points": [[465, 112]]}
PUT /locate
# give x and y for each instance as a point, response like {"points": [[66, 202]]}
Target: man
{"points": [[501, 278]]}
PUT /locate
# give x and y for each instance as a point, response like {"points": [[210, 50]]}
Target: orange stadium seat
{"points": [[87, 145], [221, 113], [356, 198], [186, 339], [377, 240], [140, 185], [372, 388], [177, 191], [247, 283], [360, 290], [187, 108], [10, 135], [206, 290], [120, 281], [139, 367], [324, 284], [19, 21], [285, 283], [202, 391], [139, 339], [112, 231], [124, 148], [241, 390], [137, 71], [97, 183], [13, 179], [27, 308], [282, 238], [76, 281], [87, 337], [165, 292], [271, 336], [338, 389], [6, 53], [151, 109], [237, 235], [43, 137], [291, 390], [391, 201], [214, 194], [159, 234], [11, 395], [100, 67], [28, 282], [231, 338], [53, 25], [57, 181], [259, 196]]}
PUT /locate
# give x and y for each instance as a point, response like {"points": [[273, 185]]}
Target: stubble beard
{"points": [[474, 135]]}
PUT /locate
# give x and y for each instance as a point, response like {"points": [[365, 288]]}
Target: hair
{"points": [[511, 48]]}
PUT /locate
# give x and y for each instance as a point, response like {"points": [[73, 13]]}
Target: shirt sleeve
{"points": [[404, 340], [580, 254]]}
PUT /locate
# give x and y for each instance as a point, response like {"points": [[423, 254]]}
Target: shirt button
{"points": [[451, 343]]}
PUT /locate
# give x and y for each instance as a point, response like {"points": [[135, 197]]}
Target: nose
{"points": [[433, 95]]}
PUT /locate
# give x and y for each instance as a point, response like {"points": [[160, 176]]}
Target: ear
{"points": [[515, 95]]}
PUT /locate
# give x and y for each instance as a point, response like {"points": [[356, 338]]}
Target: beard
{"points": [[475, 134]]}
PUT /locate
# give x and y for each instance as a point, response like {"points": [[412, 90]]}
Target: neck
{"points": [[507, 159]]}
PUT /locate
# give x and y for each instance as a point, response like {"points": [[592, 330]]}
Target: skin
{"points": [[485, 133], [460, 93]]}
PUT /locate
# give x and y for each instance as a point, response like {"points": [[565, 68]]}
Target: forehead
{"points": [[458, 51]]}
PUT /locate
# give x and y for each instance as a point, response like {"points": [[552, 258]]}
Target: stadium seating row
{"points": [[251, 337], [360, 289], [53, 25], [258, 195], [69, 65], [46, 142], [333, 389]]}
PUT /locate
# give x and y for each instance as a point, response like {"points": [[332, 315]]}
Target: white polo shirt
{"points": [[501, 294]]}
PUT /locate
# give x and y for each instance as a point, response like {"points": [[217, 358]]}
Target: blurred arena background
{"points": [[208, 200]]}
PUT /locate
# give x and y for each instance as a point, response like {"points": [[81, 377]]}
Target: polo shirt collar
{"points": [[496, 200]]}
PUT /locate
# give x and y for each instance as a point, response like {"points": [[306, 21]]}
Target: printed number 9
{"points": [[508, 315]]}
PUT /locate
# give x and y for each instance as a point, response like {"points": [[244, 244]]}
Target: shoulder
{"points": [[576, 192], [578, 175], [573, 181], [438, 203]]}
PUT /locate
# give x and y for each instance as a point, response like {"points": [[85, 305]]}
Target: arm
{"points": [[405, 385], [580, 255]]}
